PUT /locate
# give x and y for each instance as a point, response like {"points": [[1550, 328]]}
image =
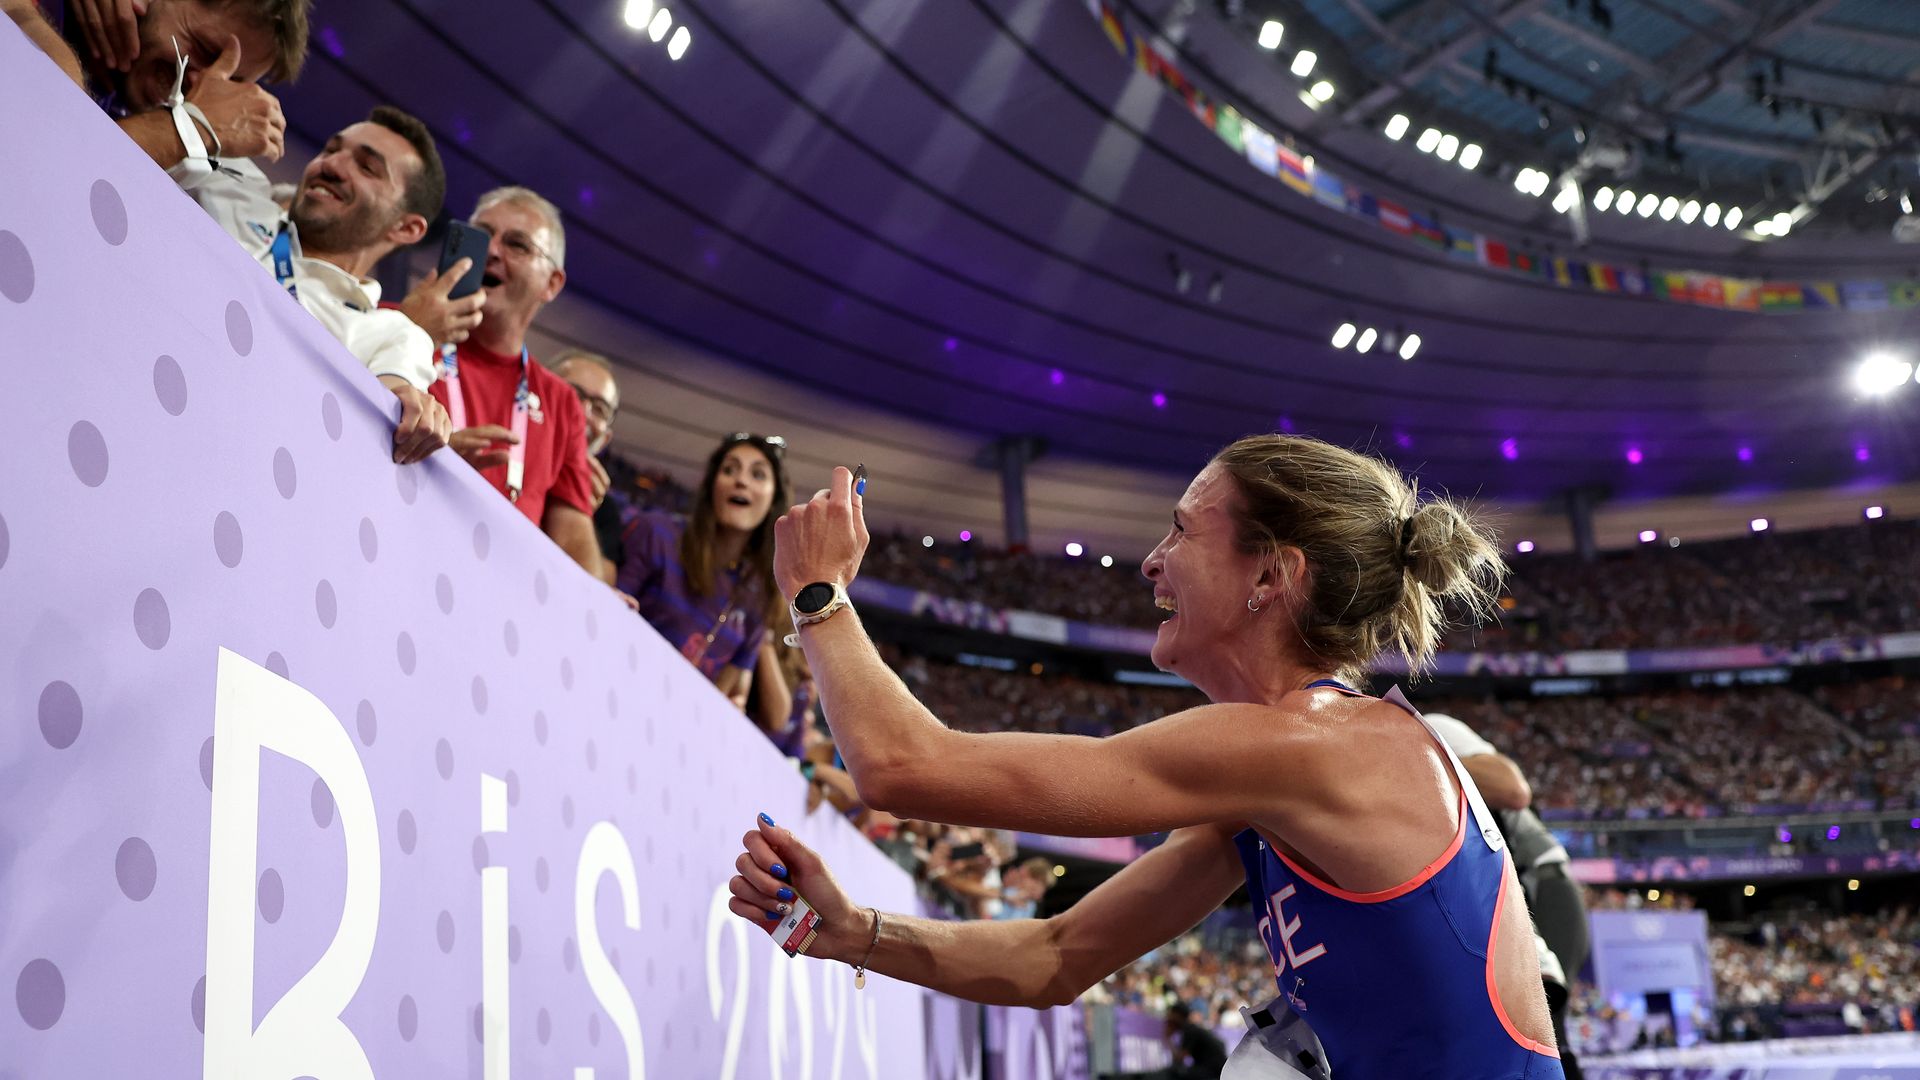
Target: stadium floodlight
{"points": [[1523, 547], [1689, 211], [1344, 336], [1733, 217], [1881, 373], [1397, 126], [1648, 536], [677, 47], [1074, 550], [661, 23], [1565, 201], [1875, 513], [1624, 203], [1409, 345], [1782, 223], [1669, 208], [1106, 560], [1449, 146], [1428, 139], [638, 13], [1303, 62], [1603, 198], [1367, 338], [966, 536], [1747, 891], [1759, 524], [1470, 155], [1711, 216], [1321, 91], [1270, 34], [1648, 204], [1763, 227], [926, 541]]}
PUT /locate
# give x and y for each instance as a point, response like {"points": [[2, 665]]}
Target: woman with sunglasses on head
{"points": [[705, 581]]}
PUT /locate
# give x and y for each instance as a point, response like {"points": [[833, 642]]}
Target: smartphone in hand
{"points": [[465, 241]]}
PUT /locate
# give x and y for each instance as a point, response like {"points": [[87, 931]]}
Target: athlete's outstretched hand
{"points": [[773, 869], [821, 540]]}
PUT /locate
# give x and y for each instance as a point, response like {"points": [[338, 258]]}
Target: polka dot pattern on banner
{"points": [[239, 328], [320, 800], [134, 869], [170, 385], [369, 540], [365, 722], [406, 832], [272, 895], [40, 993], [16, 269], [409, 1018], [151, 620], [482, 541], [403, 651], [330, 416], [60, 715], [443, 759], [227, 541], [285, 479], [443, 931], [87, 453], [109, 212], [325, 605]]}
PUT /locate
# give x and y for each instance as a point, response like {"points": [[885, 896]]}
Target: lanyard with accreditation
{"points": [[522, 405]]}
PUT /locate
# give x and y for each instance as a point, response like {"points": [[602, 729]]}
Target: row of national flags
{"points": [[1272, 155]]}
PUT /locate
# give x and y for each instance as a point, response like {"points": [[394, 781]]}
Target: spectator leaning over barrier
{"points": [[705, 582], [591, 376], [131, 52], [514, 420], [371, 190]]}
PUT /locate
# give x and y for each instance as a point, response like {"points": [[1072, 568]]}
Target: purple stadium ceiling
{"points": [[963, 211]]}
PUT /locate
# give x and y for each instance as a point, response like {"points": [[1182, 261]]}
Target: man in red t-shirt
{"points": [[524, 272]]}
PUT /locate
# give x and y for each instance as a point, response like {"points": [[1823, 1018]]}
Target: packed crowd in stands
{"points": [[1213, 981], [1767, 588], [1776, 973]]}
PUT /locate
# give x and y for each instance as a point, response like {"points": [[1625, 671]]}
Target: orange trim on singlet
{"points": [[1493, 985], [1402, 889]]}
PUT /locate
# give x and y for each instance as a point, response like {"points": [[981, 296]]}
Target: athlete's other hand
{"points": [[774, 869], [821, 540]]}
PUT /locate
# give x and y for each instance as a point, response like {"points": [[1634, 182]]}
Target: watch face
{"points": [[813, 598]]}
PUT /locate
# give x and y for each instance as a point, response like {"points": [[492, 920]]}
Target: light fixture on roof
{"points": [[1624, 202], [1270, 33], [1397, 126], [1669, 208], [1875, 513], [1711, 215], [1603, 198], [1367, 338], [1759, 524], [661, 23], [1566, 199], [1648, 536], [1782, 223], [1470, 155], [1689, 211], [1881, 373], [1648, 204], [1409, 345], [1449, 146], [1733, 217], [677, 45], [1344, 335], [1303, 62], [1106, 560], [1074, 550], [1523, 547], [637, 13], [1531, 181], [1428, 139], [1763, 227], [1321, 91]]}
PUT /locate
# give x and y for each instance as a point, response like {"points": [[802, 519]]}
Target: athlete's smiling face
{"points": [[1203, 580]]}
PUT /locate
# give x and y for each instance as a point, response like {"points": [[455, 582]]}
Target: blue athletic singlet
{"points": [[1399, 984]]}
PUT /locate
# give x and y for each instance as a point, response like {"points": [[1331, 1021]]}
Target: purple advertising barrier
{"points": [[318, 766], [1037, 1044], [1141, 1040]]}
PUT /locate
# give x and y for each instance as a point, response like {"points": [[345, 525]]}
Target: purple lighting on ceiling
{"points": [[462, 131], [1159, 400], [1785, 835], [1634, 456], [1510, 449], [1862, 453], [966, 536], [1402, 439], [710, 257], [1746, 453], [950, 344], [586, 197], [330, 41], [1833, 832], [1286, 424], [1056, 376]]}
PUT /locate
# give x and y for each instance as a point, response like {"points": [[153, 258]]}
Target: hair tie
{"points": [[1406, 540]]}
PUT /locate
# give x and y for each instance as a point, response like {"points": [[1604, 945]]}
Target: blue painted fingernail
{"points": [[785, 893], [773, 916], [779, 871], [764, 819]]}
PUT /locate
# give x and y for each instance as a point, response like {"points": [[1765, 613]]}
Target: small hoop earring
{"points": [[1253, 606]]}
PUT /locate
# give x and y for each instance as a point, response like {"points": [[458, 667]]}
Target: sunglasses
{"points": [[773, 446]]}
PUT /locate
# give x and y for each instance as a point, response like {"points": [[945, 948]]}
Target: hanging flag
{"points": [[1262, 151], [1428, 231], [1633, 283], [1394, 218], [1605, 278], [1368, 207], [1329, 190], [1780, 296], [1673, 287], [1742, 294], [1491, 252], [1904, 294], [1463, 245], [1864, 295], [1231, 128], [1708, 289], [1523, 262], [1294, 170], [1820, 295], [1115, 32]]}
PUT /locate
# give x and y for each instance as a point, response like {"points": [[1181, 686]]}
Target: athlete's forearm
{"points": [[1010, 962]]}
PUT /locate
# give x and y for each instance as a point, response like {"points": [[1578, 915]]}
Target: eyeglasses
{"points": [[773, 446], [597, 407], [521, 248]]}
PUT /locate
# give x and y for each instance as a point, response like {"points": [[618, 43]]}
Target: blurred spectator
{"points": [[1022, 886], [516, 422], [705, 582], [26, 14], [134, 72], [1198, 1054], [370, 191], [591, 377]]}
